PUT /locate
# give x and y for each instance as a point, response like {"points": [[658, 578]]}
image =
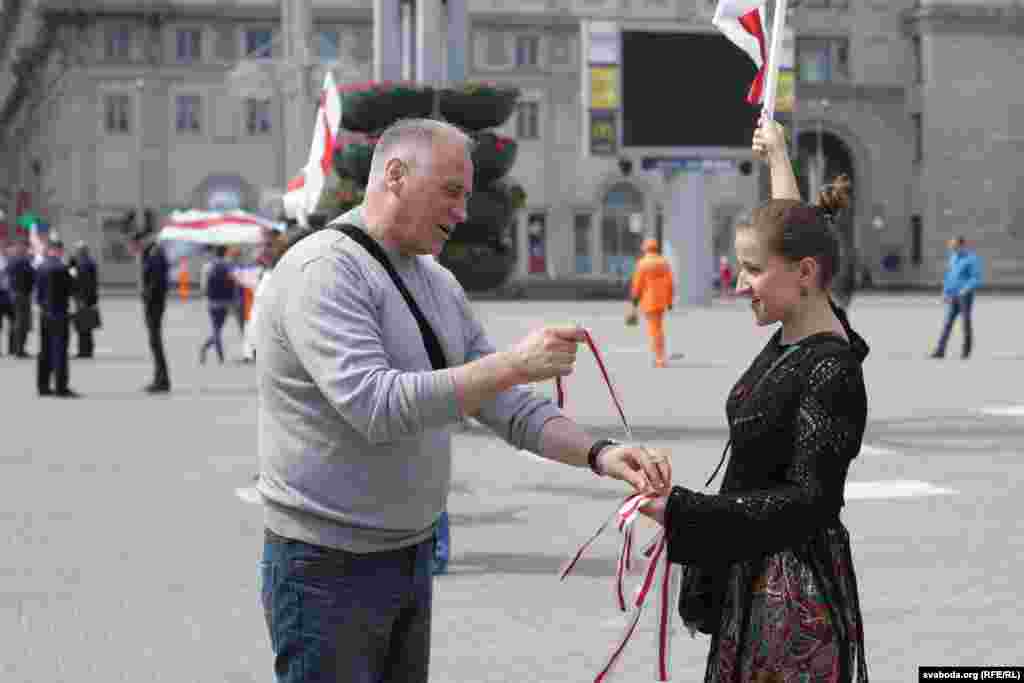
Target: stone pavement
{"points": [[129, 555]]}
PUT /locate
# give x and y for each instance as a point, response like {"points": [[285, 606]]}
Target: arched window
{"points": [[622, 228]]}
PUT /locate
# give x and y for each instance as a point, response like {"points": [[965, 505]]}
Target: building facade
{"points": [[122, 109]]}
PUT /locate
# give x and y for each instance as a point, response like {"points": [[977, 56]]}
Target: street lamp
{"points": [[140, 199]]}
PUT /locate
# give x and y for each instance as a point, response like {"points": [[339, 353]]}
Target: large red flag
{"points": [[742, 22]]}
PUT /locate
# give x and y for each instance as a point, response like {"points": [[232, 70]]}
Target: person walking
{"points": [[961, 280], [370, 354], [651, 291], [22, 277], [768, 568], [155, 284], [53, 295], [725, 288], [6, 298], [220, 289], [87, 299]]}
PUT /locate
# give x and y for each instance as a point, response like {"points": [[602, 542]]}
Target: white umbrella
{"points": [[218, 227]]}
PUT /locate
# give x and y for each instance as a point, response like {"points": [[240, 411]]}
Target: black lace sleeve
{"points": [[827, 432]]}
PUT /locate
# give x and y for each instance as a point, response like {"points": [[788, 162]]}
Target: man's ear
{"points": [[394, 174]]}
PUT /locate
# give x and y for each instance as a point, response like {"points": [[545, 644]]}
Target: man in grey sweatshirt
{"points": [[354, 421]]}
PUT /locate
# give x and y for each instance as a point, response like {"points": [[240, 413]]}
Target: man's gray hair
{"points": [[415, 138]]}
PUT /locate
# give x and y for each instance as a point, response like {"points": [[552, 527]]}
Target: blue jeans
{"points": [[959, 306], [218, 314], [340, 617]]}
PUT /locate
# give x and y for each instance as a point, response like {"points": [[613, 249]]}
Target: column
{"points": [[387, 40], [688, 229], [428, 42], [458, 41], [296, 92]]}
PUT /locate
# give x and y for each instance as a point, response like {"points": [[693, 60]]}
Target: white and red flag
{"points": [[742, 22], [303, 193]]}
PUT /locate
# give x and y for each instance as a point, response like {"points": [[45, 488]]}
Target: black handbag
{"points": [[87, 319], [703, 586]]}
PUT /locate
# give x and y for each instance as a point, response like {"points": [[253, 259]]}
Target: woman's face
{"points": [[771, 282]]}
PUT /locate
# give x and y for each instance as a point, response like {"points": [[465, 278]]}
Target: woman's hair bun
{"points": [[835, 196]]}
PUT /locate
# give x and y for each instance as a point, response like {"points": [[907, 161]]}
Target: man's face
{"points": [[433, 197]]}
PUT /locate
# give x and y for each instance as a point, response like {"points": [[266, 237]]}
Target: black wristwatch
{"points": [[595, 450]]}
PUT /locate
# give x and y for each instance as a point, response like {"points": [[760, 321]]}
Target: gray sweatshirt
{"points": [[354, 424]]}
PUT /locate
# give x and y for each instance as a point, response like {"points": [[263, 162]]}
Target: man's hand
{"points": [[646, 469], [769, 140], [546, 353]]}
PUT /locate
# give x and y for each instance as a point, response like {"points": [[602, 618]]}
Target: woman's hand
{"points": [[769, 141], [656, 509]]}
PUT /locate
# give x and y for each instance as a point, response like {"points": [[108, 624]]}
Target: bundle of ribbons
{"points": [[658, 573]]}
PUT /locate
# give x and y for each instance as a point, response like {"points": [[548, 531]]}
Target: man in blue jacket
{"points": [[963, 275]]}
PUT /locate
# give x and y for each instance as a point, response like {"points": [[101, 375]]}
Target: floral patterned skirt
{"points": [[792, 634]]}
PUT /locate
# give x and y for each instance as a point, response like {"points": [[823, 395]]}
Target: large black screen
{"points": [[685, 89]]}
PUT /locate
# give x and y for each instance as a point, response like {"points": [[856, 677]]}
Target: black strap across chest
{"points": [[430, 340]]}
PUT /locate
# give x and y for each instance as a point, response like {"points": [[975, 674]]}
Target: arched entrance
{"points": [[622, 228], [821, 157], [224, 193]]}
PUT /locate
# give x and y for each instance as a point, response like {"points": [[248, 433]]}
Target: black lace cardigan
{"points": [[793, 438]]}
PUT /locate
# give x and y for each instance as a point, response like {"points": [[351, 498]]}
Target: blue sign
{"points": [[688, 165]]}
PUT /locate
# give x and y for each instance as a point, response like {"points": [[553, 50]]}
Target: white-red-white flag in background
{"points": [[304, 190], [742, 22]]}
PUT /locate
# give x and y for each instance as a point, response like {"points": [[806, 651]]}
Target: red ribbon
{"points": [[656, 553], [560, 385]]}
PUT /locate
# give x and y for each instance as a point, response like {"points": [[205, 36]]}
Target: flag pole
{"points": [[772, 77]]}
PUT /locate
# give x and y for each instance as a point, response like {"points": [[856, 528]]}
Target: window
{"points": [[527, 51], [259, 43], [918, 59], [823, 60], [918, 123], [119, 42], [916, 240], [327, 43], [187, 113], [189, 46], [257, 116], [528, 121], [117, 114], [494, 49], [582, 228]]}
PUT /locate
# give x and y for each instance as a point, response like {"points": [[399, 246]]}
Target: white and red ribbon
{"points": [[660, 574]]}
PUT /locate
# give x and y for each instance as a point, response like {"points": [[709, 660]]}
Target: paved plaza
{"points": [[130, 548]]}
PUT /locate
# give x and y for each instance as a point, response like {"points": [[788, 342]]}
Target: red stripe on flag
{"points": [[751, 23], [326, 157], [297, 183]]}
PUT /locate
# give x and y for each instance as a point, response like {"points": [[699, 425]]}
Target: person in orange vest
{"points": [[652, 291], [183, 282]]}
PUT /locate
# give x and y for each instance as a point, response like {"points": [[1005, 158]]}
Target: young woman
{"points": [[778, 593]]}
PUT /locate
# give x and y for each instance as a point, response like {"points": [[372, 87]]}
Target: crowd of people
{"points": [[53, 294]]}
